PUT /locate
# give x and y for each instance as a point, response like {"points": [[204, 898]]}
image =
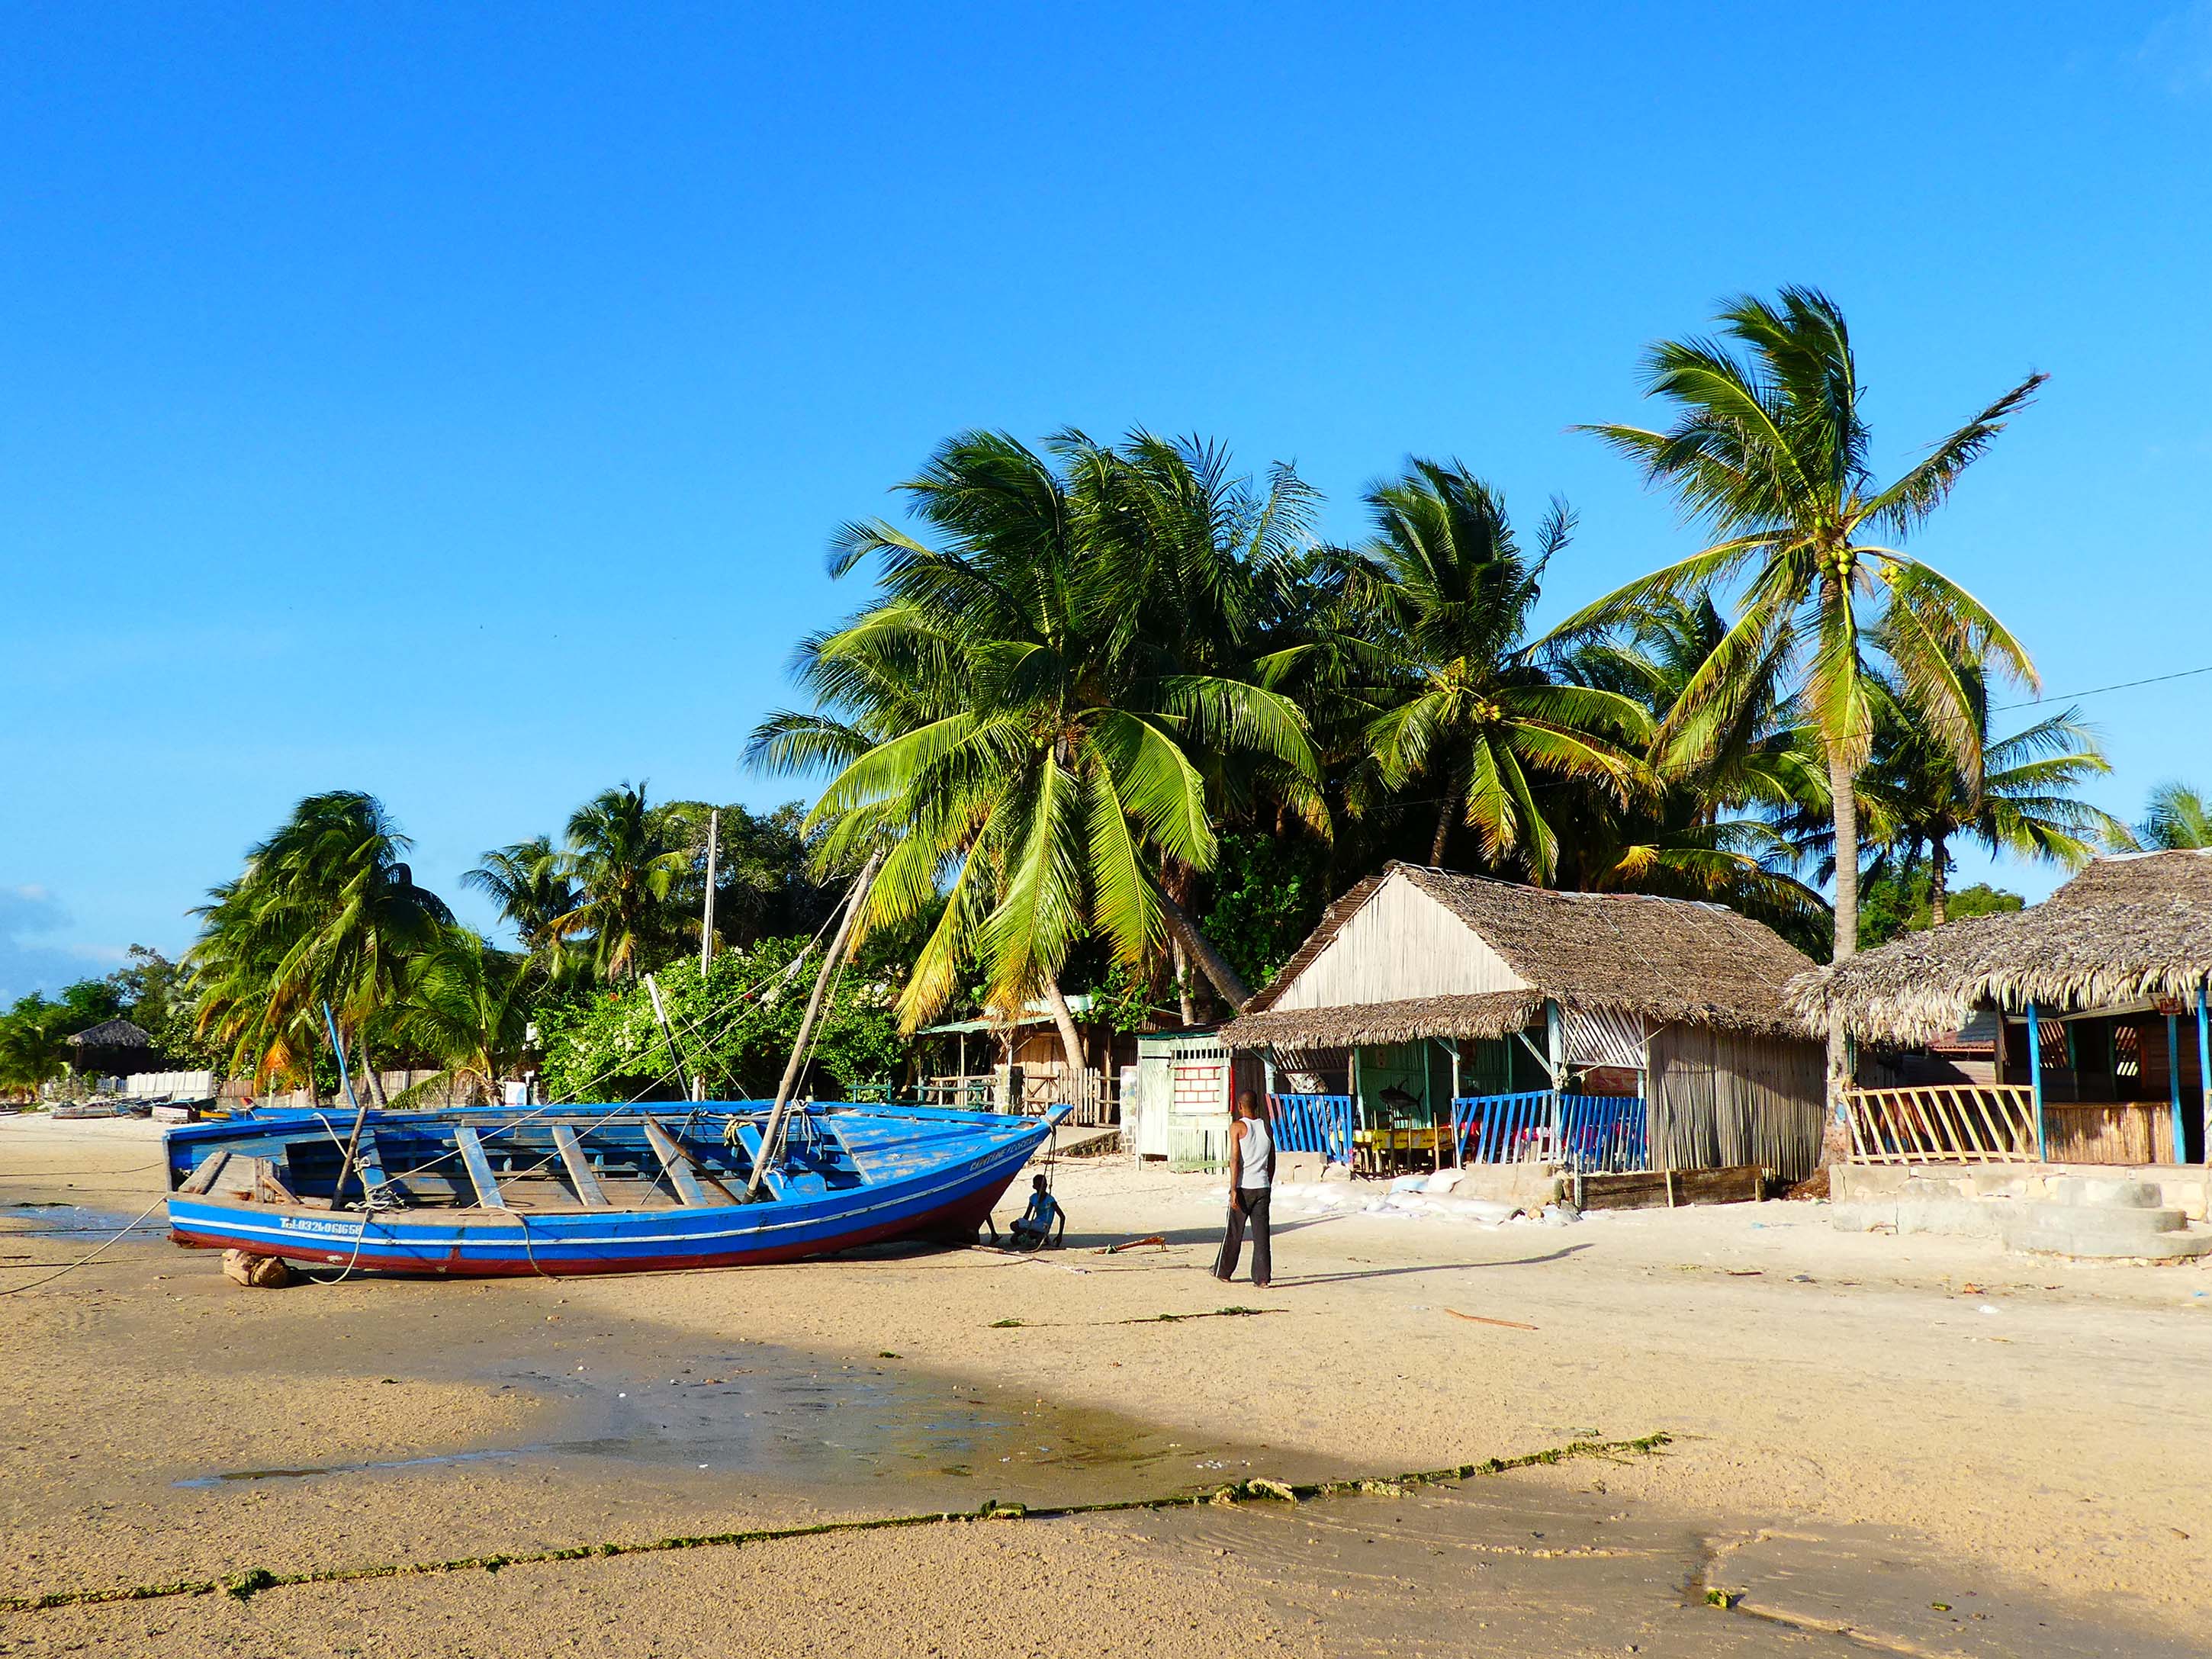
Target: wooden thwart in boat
{"points": [[580, 1175], [479, 1168]]}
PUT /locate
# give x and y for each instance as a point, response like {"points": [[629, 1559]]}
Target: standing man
{"points": [[1251, 1173]]}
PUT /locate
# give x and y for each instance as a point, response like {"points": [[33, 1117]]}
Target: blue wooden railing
{"points": [[1313, 1123], [1585, 1132]]}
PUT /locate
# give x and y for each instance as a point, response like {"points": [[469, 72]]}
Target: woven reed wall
{"points": [[1720, 1099]]}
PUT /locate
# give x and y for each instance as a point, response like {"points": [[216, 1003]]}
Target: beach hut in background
{"points": [[1017, 1063], [2093, 1007], [114, 1048], [1438, 1018]]}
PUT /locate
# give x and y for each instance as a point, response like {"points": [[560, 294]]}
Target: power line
{"points": [[2094, 690]]}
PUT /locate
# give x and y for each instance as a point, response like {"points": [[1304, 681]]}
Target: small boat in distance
{"points": [[500, 1192]]}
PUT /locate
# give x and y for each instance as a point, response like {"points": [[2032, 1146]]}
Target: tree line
{"points": [[1119, 720]]}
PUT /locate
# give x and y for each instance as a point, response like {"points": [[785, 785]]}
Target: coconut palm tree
{"points": [[1706, 828], [326, 910], [1459, 697], [532, 888], [1769, 449], [1025, 717], [467, 1005], [1915, 798], [622, 861], [2180, 818]]}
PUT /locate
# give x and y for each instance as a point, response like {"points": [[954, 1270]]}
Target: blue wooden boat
{"points": [[590, 1189]]}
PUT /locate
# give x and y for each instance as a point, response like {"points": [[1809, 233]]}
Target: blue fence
{"points": [[1585, 1132], [1313, 1123]]}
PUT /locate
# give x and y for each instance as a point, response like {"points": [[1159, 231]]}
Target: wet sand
{"points": [[1858, 1440]]}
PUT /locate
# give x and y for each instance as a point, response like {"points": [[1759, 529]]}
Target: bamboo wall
{"points": [[1719, 1099]]}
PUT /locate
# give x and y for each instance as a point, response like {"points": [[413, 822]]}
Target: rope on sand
{"points": [[111, 1238], [254, 1580]]}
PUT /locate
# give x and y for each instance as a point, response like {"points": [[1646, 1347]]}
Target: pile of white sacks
{"points": [[1412, 1197]]}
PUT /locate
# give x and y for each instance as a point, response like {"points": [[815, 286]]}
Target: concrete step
{"points": [[2094, 1192], [2108, 1235], [2091, 1219]]}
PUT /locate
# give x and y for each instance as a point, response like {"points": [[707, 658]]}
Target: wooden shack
{"points": [[1436, 1018], [2095, 1004]]}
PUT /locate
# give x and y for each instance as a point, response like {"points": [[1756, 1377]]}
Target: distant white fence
{"points": [[158, 1085]]}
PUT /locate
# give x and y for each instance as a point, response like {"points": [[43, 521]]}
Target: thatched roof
{"points": [[1491, 1014], [2126, 929], [113, 1033], [1668, 961]]}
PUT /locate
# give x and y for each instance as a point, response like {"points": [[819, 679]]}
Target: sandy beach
{"points": [[1926, 1445]]}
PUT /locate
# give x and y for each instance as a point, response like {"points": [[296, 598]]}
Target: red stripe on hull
{"points": [[955, 1222]]}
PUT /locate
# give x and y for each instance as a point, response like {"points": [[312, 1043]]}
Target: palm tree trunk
{"points": [[370, 1081], [1071, 1041], [1843, 784], [1183, 981], [1939, 890], [1444, 829], [1234, 991]]}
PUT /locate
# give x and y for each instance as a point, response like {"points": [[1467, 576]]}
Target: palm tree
{"points": [[1706, 828], [1459, 697], [1770, 449], [2180, 818], [532, 890], [1914, 796], [326, 911], [1030, 718], [33, 1050], [623, 863], [467, 1006]]}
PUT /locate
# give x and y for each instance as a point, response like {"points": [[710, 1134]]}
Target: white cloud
{"points": [[2178, 49], [30, 960]]}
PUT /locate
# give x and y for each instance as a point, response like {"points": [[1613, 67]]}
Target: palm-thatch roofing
{"points": [[1667, 961], [113, 1033], [2127, 929], [114, 1045]]}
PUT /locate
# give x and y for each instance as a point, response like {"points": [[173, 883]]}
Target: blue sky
{"points": [[455, 403]]}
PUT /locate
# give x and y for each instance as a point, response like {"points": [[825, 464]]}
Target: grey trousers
{"points": [[1254, 1203]]}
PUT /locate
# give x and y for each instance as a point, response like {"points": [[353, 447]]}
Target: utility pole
{"points": [[707, 923]]}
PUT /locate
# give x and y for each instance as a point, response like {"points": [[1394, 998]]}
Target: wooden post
{"points": [[2035, 1078], [772, 1135], [706, 922], [1555, 1057], [2174, 1083], [1459, 1155], [359, 1111], [675, 1056], [2203, 1067]]}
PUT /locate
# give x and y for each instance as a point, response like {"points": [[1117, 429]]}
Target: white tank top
{"points": [[1255, 1157]]}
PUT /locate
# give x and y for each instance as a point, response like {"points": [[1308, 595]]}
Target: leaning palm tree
{"points": [[623, 863], [2180, 818], [1458, 698], [326, 911], [1019, 718], [1770, 450]]}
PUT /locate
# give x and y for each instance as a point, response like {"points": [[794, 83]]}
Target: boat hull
{"points": [[947, 1201]]}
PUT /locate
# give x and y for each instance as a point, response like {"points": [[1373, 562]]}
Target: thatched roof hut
{"points": [[2127, 931], [114, 1048], [1675, 1003], [1663, 961]]}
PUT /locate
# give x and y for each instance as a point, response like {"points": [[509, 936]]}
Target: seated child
{"points": [[1035, 1225]]}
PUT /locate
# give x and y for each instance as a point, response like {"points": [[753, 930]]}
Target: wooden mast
{"points": [[772, 1136]]}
